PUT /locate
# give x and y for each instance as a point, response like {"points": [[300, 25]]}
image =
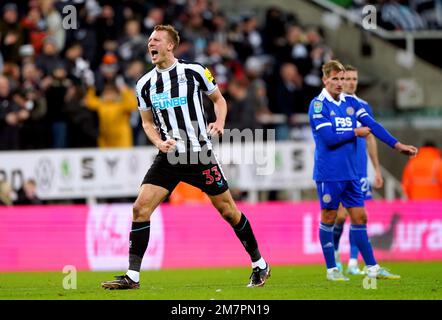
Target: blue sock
{"points": [[353, 247], [337, 233], [361, 240], [328, 249]]}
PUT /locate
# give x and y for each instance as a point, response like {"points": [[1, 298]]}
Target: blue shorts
{"points": [[366, 188], [331, 193]]}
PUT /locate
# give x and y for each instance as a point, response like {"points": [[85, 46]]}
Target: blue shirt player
{"points": [[364, 144], [333, 120]]}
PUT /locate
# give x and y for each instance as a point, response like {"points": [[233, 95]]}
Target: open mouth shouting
{"points": [[154, 54]]}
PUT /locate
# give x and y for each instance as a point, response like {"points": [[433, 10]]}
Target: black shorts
{"points": [[206, 175]]}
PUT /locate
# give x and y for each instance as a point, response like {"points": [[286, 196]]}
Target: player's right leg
{"points": [[159, 181], [329, 197], [149, 197]]}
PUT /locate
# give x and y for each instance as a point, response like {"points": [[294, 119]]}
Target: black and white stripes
{"points": [[174, 96]]}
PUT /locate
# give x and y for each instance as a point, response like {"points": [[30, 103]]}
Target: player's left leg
{"points": [[208, 176], [353, 200], [226, 206], [359, 230], [337, 233]]}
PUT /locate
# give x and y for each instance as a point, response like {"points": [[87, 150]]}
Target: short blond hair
{"points": [[349, 67], [332, 65], [171, 31]]}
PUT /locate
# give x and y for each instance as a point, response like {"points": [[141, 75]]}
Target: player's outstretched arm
{"points": [[220, 106], [382, 134]]}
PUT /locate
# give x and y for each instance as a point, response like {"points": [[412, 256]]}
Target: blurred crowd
{"points": [[63, 87], [402, 15]]}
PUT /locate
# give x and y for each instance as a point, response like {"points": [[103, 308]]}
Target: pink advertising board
{"points": [[95, 238]]}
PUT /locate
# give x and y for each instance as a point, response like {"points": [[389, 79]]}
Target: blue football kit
{"points": [[338, 165]]}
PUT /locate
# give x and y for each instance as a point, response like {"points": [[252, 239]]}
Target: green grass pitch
{"points": [[419, 281]]}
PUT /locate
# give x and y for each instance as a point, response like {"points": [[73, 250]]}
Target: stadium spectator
{"points": [[274, 30], [53, 23], [132, 73], [195, 32], [78, 68], [11, 117], [107, 73], [82, 122], [289, 97], [154, 92], [281, 110], [153, 17], [295, 49], [113, 107], [239, 112], [252, 35], [87, 33], [319, 54], [216, 57], [255, 68], [27, 194], [131, 46], [49, 58], [422, 176], [34, 28], [5, 194], [55, 87], [32, 99], [11, 34]]}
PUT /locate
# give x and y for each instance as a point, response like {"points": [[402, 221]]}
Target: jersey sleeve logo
{"points": [[350, 111], [317, 106], [208, 75]]}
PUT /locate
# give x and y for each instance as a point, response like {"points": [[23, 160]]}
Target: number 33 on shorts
{"points": [[212, 175]]}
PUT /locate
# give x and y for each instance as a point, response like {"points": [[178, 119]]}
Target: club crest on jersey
{"points": [[182, 78], [317, 106], [350, 111], [326, 198]]}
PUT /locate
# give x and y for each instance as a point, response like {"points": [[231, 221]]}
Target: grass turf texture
{"points": [[419, 281]]}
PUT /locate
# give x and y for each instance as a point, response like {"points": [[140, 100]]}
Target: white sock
{"points": [[134, 275], [261, 263], [376, 266], [330, 270], [353, 262]]}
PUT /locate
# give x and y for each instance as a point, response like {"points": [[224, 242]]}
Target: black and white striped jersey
{"points": [[174, 95]]}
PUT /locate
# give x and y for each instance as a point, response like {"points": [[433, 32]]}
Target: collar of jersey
{"points": [[168, 69], [330, 98]]}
